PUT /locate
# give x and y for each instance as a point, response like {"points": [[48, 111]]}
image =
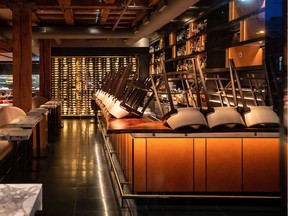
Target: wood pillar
{"points": [[45, 68], [22, 58]]}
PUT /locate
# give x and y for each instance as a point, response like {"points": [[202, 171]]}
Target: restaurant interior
{"points": [[143, 107]]}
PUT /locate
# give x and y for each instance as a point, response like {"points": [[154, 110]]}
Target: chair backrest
{"points": [[9, 113], [37, 101]]}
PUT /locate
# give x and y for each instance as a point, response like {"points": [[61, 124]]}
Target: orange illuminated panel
{"points": [[170, 165], [128, 153], [199, 165], [174, 51], [172, 38], [224, 167], [140, 165], [238, 8], [120, 149], [254, 27], [246, 55], [261, 158]]}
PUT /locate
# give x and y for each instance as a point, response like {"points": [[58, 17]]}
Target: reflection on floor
{"points": [[76, 181]]}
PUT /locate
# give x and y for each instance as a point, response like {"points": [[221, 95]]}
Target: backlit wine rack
{"points": [[75, 79]]}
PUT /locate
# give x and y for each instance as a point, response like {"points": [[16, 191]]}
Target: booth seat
{"points": [[7, 114], [37, 101]]}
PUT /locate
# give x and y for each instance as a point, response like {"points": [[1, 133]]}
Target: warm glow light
{"points": [[94, 31], [261, 32]]}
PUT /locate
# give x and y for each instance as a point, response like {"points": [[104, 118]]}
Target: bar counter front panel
{"points": [[216, 162]]}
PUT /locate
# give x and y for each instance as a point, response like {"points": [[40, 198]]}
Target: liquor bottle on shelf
{"points": [[161, 43], [181, 51], [198, 47], [159, 57], [203, 61], [157, 47], [157, 69], [181, 35], [185, 65], [202, 26], [179, 66]]}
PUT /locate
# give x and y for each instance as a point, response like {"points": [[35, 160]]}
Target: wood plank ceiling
{"points": [[108, 14], [120, 21]]}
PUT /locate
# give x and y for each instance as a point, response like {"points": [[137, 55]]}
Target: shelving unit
{"points": [[74, 79], [251, 36], [233, 29]]}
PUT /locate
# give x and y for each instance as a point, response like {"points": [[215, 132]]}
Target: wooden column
{"points": [[45, 68], [22, 58]]}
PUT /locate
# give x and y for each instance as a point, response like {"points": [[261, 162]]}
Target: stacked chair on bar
{"points": [[178, 118], [227, 114], [109, 95], [255, 115], [118, 87], [139, 95], [231, 110], [125, 94]]}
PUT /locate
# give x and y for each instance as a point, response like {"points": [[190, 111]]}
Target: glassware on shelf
{"points": [[181, 35], [181, 51]]}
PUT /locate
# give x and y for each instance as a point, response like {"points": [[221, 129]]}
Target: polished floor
{"points": [[76, 182]]}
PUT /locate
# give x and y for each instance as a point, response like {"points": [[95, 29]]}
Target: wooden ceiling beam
{"points": [[153, 2], [35, 18], [110, 1], [123, 18], [68, 16], [91, 7], [51, 17], [67, 11], [139, 17], [5, 47], [40, 12], [104, 16]]}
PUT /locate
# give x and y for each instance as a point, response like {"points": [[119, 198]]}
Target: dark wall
{"points": [[7, 67]]}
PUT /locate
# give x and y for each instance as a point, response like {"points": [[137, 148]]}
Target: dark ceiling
{"points": [[116, 19]]}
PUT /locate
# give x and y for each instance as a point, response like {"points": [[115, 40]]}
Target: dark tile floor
{"points": [[76, 181]]}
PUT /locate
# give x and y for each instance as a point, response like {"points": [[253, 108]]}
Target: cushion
{"points": [[9, 113]]}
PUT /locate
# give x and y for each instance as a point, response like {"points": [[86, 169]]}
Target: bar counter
{"points": [[150, 125], [156, 159]]}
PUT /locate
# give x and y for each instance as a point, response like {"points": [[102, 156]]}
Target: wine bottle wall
{"points": [[75, 79]]}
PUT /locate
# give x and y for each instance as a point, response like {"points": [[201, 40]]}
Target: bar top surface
{"points": [[26, 121], [147, 125]]}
